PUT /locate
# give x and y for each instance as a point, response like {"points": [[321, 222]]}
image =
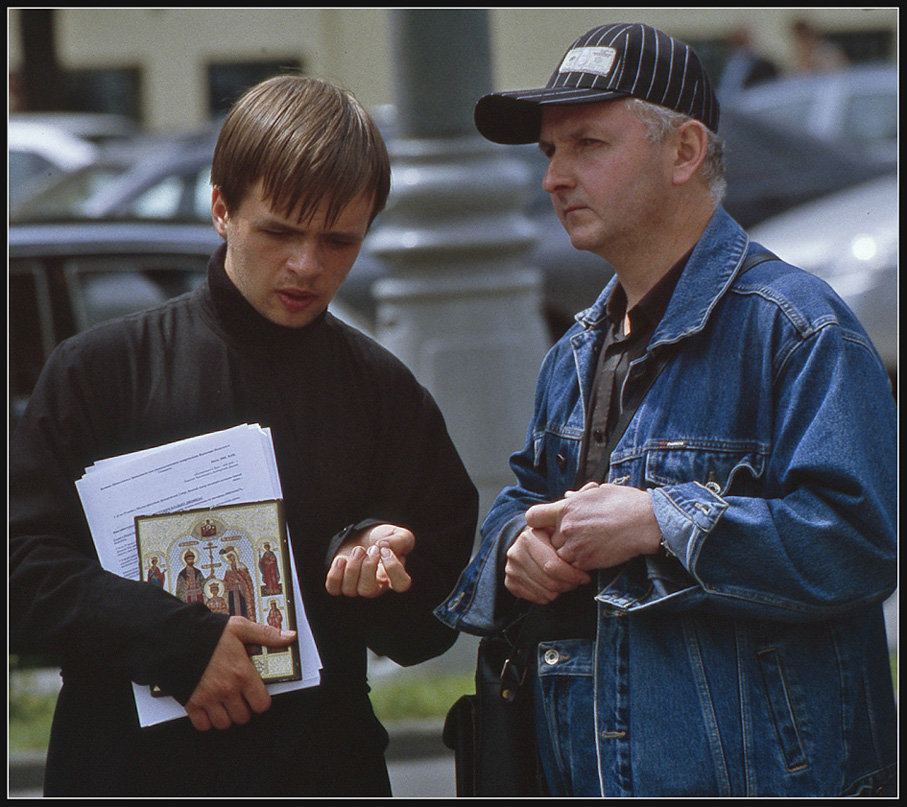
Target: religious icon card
{"points": [[233, 559]]}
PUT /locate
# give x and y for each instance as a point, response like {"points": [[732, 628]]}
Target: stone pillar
{"points": [[460, 305]]}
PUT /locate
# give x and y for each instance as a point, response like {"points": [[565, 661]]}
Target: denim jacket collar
{"points": [[712, 268]]}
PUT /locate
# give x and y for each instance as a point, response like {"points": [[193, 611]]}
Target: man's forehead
{"points": [[574, 119]]}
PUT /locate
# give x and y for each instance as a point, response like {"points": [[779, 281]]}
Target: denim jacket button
{"points": [[552, 657]]}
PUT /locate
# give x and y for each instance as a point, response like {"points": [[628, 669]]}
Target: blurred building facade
{"points": [[174, 69]]}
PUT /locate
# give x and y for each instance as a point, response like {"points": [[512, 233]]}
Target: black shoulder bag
{"points": [[492, 732]]}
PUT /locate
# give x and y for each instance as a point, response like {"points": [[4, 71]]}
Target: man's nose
{"points": [[556, 175], [304, 258]]}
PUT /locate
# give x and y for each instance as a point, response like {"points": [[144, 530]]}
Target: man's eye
{"points": [[342, 243]]}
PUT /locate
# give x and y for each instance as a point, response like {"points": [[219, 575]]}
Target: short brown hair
{"points": [[307, 141]]}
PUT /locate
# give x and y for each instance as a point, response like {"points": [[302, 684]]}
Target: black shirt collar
{"points": [[647, 313]]}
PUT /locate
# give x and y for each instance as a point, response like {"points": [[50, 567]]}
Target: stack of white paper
{"points": [[235, 466]]}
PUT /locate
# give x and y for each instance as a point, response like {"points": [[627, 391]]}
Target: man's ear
{"points": [[219, 212], [691, 142]]}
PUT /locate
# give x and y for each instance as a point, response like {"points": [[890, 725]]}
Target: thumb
{"points": [[250, 632], [543, 516]]}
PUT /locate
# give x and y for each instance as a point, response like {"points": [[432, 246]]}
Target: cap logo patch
{"points": [[589, 60]]}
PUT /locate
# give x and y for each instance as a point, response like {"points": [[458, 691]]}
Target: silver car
{"points": [[850, 239], [856, 107]]}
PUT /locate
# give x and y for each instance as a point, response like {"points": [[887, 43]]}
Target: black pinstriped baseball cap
{"points": [[609, 62]]}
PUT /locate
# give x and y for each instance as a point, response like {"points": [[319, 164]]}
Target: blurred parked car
{"points": [[770, 169], [158, 179], [39, 154], [65, 277], [856, 107], [100, 128], [850, 239]]}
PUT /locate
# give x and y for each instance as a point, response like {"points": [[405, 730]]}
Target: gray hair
{"points": [[660, 122]]}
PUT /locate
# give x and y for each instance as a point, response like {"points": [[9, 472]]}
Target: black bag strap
{"points": [[627, 413], [754, 259]]}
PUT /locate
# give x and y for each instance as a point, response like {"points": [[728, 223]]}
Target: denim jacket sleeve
{"points": [[816, 537]]}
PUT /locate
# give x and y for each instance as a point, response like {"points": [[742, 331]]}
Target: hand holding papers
{"points": [[235, 466]]}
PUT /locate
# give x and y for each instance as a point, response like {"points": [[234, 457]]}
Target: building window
{"points": [[227, 81], [865, 46], [112, 90]]}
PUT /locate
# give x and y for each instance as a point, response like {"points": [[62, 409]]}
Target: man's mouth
{"points": [[295, 300]]}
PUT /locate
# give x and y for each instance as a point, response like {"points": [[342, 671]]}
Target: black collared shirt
{"points": [[618, 350]]}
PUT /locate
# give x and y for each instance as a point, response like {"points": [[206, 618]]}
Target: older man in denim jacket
{"points": [[712, 595]]}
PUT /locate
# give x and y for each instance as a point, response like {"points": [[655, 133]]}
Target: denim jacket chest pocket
{"points": [[723, 467], [555, 456]]}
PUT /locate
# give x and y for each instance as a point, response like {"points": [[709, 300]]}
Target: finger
{"points": [[543, 564], [257, 697], [237, 712], [368, 585], [397, 577], [532, 585], [350, 584], [219, 718], [199, 718], [527, 589], [402, 543], [543, 516], [249, 632], [334, 580], [400, 540]]}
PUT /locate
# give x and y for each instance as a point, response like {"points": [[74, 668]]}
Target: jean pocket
{"points": [[565, 715], [781, 708]]}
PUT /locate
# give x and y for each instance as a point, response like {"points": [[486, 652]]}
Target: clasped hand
{"points": [[596, 527]]}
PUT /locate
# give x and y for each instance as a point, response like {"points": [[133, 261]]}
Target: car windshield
{"points": [[70, 196], [103, 288]]}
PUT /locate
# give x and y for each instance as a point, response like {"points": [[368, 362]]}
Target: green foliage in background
{"points": [[418, 697]]}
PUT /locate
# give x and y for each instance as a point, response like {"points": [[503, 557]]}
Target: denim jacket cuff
{"points": [[685, 513], [479, 604]]}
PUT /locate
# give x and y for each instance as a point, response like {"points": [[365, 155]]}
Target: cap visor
{"points": [[515, 118]]}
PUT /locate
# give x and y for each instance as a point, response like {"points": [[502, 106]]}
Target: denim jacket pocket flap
{"points": [[554, 454], [717, 465]]}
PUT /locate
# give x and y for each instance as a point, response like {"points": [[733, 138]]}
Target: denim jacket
{"points": [[749, 656]]}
